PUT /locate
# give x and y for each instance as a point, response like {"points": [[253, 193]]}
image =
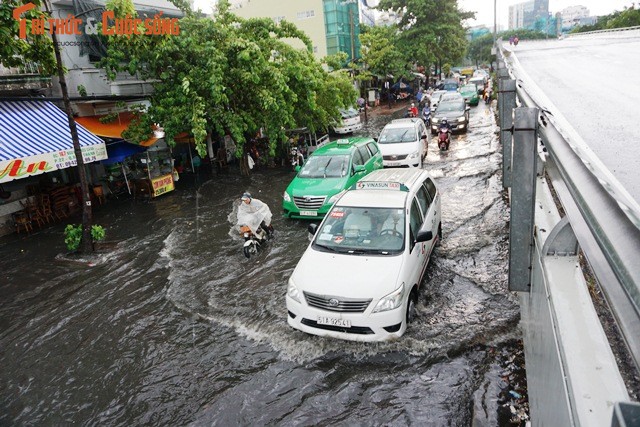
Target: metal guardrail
{"points": [[602, 220], [604, 216], [612, 30]]}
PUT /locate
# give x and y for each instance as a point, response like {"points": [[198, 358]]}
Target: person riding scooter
{"points": [[444, 135], [253, 210]]}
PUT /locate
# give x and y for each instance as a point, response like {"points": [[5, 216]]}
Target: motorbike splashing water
{"points": [[444, 138], [253, 241], [254, 224]]}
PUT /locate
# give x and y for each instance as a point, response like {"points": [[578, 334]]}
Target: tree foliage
{"points": [[380, 52], [629, 17], [229, 75], [14, 51], [430, 30]]}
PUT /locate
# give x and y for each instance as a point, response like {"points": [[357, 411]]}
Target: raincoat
{"points": [[253, 214]]}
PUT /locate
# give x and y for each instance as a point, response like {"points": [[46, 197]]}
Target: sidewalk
{"points": [[384, 110]]}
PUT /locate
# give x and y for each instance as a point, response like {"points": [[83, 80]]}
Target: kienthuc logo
{"points": [[121, 26]]}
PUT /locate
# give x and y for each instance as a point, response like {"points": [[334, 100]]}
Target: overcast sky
{"points": [[484, 8]]}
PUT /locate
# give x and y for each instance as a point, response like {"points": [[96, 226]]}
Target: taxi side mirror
{"points": [[297, 168], [359, 168], [424, 236]]}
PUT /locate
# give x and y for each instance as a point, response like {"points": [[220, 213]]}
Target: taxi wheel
{"points": [[439, 233], [411, 307]]}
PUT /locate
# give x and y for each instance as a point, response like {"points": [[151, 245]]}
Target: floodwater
{"points": [[173, 326]]}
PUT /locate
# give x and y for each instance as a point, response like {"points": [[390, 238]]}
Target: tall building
{"points": [[524, 15], [332, 25], [572, 15]]}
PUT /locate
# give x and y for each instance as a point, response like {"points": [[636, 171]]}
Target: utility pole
{"points": [[353, 35], [495, 25], [86, 242]]}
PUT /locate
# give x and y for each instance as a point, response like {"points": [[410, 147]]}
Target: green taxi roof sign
{"points": [[379, 185]]}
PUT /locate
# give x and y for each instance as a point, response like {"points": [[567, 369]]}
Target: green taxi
{"points": [[470, 94], [329, 171]]}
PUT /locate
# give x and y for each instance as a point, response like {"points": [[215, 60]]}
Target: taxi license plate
{"points": [[308, 213], [394, 163], [345, 323]]}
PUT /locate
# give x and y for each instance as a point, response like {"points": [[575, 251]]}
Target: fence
{"points": [[566, 205]]}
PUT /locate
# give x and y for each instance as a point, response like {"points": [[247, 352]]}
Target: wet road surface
{"points": [[173, 326]]}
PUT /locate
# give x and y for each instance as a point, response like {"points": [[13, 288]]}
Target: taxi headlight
{"points": [[461, 119], [391, 301], [293, 292], [286, 197], [414, 155]]}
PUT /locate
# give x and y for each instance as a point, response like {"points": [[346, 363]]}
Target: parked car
{"points": [[360, 276], [403, 143], [479, 82], [327, 172], [456, 113], [350, 122], [470, 94]]}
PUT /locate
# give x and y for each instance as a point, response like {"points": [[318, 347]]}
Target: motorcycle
{"points": [[444, 138], [426, 115], [253, 241]]}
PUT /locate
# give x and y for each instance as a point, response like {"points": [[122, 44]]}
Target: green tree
{"points": [[15, 51], [431, 31], [229, 75]]}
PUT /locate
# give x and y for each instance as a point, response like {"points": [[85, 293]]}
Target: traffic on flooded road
{"points": [[174, 325]]}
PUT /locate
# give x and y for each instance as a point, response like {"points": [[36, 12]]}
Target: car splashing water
{"points": [[175, 326]]}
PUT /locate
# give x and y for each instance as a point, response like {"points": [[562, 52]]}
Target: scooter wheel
{"points": [[247, 252]]}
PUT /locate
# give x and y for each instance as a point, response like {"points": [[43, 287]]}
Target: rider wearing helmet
{"points": [[249, 206], [413, 110], [445, 124]]}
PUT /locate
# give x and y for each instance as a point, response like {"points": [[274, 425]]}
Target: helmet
{"points": [[413, 105], [246, 196]]}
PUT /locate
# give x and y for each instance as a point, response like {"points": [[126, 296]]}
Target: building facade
{"points": [[525, 15], [332, 25], [572, 15]]}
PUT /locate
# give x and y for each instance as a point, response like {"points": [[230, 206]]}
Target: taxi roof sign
{"points": [[379, 185], [343, 141]]}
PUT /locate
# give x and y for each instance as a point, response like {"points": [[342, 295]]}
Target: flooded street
{"points": [[176, 327]]}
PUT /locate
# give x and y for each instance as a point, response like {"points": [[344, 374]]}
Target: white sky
{"points": [[484, 8]]}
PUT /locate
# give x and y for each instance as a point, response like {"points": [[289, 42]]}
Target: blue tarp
{"points": [[118, 151]]}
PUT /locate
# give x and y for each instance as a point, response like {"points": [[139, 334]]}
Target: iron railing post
{"points": [[523, 196]]}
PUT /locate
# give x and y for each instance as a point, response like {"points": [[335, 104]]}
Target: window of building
{"points": [[306, 14], [277, 19]]}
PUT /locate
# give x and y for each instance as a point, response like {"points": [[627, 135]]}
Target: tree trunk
{"points": [[86, 245]]}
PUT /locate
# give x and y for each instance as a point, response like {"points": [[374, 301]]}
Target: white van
{"points": [[350, 122], [403, 143], [360, 275]]}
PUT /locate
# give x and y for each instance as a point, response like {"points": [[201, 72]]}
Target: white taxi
{"points": [[360, 275]]}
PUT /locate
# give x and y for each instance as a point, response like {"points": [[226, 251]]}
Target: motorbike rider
{"points": [[445, 124], [413, 110], [426, 111], [251, 206]]}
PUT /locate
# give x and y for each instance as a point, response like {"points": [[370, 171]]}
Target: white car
{"points": [[350, 122], [403, 143], [360, 276], [435, 98]]}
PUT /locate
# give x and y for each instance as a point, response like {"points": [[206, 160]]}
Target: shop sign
{"points": [[48, 162], [162, 184]]}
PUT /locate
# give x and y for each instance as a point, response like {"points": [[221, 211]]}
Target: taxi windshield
{"points": [[325, 167], [357, 231], [395, 135]]}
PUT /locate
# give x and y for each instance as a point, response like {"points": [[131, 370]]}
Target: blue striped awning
{"points": [[35, 138]]}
